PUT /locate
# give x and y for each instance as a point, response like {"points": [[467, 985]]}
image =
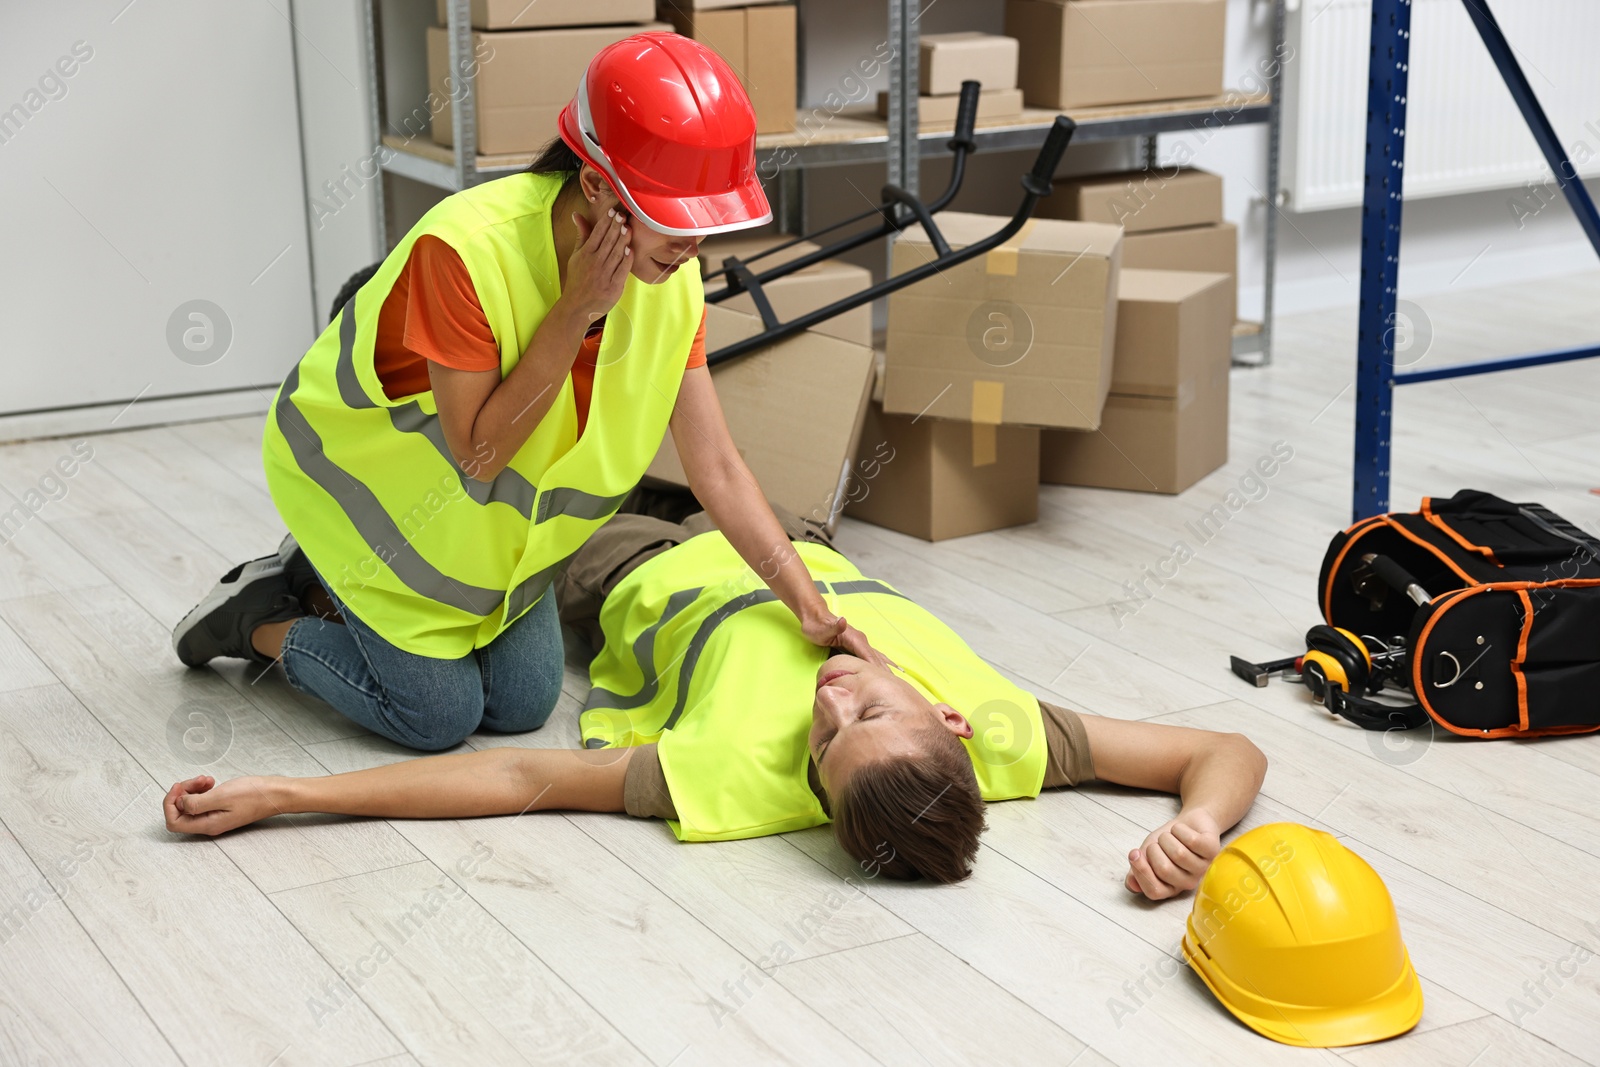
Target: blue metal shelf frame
{"points": [[1387, 74]]}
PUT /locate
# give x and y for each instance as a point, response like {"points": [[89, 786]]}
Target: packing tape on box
{"points": [[1123, 387], [988, 401], [1186, 393], [985, 446], [1003, 260]]}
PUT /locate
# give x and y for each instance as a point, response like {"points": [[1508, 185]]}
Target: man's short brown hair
{"points": [[913, 817]]}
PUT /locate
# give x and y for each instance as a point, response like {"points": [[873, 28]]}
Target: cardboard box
{"points": [[937, 478], [1207, 248], [759, 43], [1021, 335], [1172, 325], [1165, 423], [1083, 53], [1150, 444], [524, 79], [1138, 200], [948, 59], [522, 15], [795, 294], [941, 110], [794, 410]]}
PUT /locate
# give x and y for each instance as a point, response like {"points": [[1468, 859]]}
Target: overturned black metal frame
{"points": [[898, 211]]}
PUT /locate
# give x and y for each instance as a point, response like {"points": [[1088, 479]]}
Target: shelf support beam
{"points": [[1388, 74], [1269, 277], [460, 84], [375, 120], [905, 48]]}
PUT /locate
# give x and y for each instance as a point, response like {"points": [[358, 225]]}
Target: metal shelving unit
{"points": [[861, 137]]}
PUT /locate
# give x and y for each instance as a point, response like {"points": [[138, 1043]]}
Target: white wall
{"points": [[166, 168], [340, 164], [343, 193]]}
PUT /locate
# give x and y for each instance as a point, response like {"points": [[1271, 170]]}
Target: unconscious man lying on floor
{"points": [[711, 710]]}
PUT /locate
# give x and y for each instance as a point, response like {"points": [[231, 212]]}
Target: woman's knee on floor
{"points": [[522, 671], [437, 717], [518, 708]]}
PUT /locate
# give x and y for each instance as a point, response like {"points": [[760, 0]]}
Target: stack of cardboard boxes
{"points": [[948, 59], [1084, 53], [1052, 359], [757, 38], [1165, 423], [979, 357], [527, 59], [794, 410], [1171, 217]]}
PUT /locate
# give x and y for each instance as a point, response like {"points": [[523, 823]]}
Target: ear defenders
{"points": [[1337, 659], [1340, 672]]}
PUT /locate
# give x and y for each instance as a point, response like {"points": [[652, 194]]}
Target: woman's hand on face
{"points": [[201, 806], [599, 266], [833, 631]]}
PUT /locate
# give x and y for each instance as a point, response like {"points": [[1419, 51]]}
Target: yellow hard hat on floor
{"points": [[1297, 936]]}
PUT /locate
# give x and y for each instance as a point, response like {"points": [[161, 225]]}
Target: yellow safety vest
{"points": [[702, 659], [435, 561]]}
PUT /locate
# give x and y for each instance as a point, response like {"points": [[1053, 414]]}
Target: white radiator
{"points": [[1464, 132]]}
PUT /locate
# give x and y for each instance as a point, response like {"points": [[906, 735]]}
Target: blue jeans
{"points": [[509, 686]]}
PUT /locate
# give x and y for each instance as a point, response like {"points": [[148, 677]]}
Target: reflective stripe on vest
{"points": [[436, 561], [378, 528], [703, 660], [644, 647], [368, 516], [508, 486]]}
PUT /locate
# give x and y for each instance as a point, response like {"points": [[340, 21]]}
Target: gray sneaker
{"points": [[297, 570], [248, 596]]}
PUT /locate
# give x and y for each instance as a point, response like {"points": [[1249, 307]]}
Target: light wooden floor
{"points": [[599, 939]]}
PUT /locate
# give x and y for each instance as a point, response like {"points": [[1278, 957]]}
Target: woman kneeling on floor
{"points": [[487, 396]]}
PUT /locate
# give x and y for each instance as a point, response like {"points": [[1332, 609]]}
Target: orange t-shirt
{"points": [[441, 320]]}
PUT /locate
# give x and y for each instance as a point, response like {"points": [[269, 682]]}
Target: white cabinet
{"points": [[150, 159]]}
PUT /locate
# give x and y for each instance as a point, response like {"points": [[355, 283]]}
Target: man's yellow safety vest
{"points": [[702, 659], [437, 562]]}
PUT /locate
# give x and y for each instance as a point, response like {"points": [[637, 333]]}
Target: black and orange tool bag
{"points": [[1500, 603]]}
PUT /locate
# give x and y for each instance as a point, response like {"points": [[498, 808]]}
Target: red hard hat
{"points": [[666, 121]]}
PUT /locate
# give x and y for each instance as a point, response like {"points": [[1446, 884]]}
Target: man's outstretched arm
{"points": [[501, 781], [1217, 775]]}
